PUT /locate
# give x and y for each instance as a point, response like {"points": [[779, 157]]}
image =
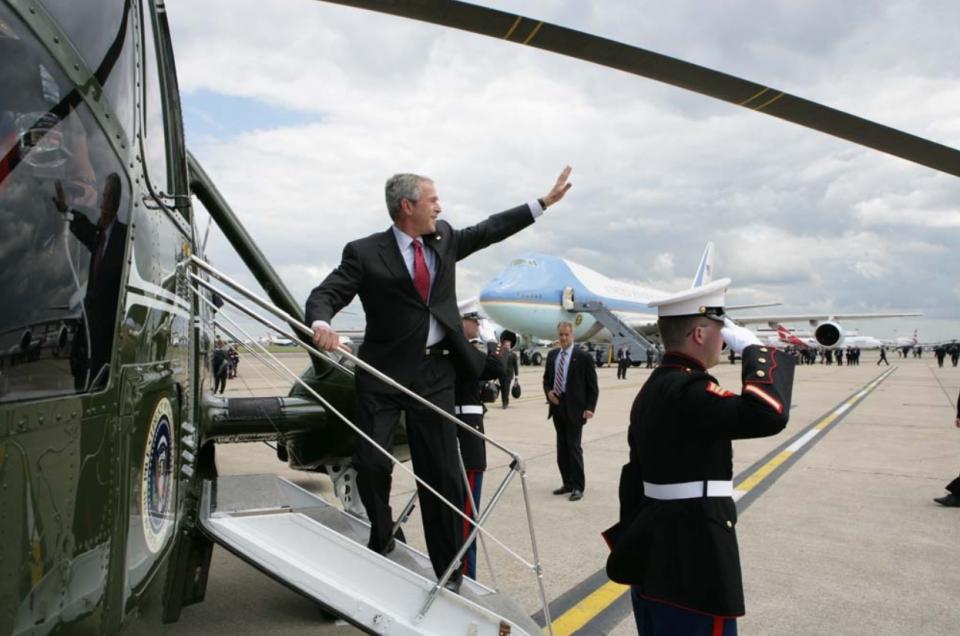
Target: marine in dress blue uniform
{"points": [[469, 408], [675, 543]]}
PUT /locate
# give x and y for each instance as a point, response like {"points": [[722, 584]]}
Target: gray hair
{"points": [[404, 185], [565, 323]]}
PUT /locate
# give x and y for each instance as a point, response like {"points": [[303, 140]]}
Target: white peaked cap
{"points": [[694, 302]]}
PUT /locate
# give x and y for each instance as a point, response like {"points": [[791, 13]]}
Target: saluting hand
{"points": [[559, 188]]}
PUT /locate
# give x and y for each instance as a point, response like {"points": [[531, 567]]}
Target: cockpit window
{"points": [[64, 208], [524, 262], [154, 128]]}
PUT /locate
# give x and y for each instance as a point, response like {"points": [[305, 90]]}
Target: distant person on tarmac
{"points": [[883, 356], [220, 364], [508, 362], [570, 384], [234, 357], [952, 498], [623, 360]]}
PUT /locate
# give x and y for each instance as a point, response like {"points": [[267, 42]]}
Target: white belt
{"points": [[469, 409], [687, 490]]}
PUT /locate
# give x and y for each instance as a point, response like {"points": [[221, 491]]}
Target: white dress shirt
{"points": [[405, 243]]}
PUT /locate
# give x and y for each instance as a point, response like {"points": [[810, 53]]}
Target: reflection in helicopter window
{"points": [[102, 31], [63, 218]]}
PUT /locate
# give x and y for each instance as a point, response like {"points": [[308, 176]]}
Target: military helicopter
{"points": [[108, 428]]}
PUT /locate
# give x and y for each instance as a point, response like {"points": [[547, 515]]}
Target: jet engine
{"points": [[828, 334]]}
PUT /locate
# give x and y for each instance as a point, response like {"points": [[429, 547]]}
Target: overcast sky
{"points": [[300, 110]]}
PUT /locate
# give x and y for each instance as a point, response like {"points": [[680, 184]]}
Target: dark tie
{"points": [[98, 257], [421, 275], [561, 372]]}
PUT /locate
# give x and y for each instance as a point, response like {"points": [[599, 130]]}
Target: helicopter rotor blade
{"points": [[669, 70]]}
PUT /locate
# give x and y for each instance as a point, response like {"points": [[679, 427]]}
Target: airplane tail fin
{"points": [[704, 273]]}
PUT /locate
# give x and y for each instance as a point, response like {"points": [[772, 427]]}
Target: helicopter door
{"points": [[566, 300]]}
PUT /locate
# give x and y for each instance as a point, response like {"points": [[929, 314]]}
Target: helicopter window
{"points": [[63, 220], [102, 32], [154, 133]]}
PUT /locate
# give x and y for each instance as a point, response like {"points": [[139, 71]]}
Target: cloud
{"points": [[348, 97]]}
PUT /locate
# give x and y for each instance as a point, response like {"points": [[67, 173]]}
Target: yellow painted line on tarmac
{"points": [[825, 422], [584, 611], [761, 473]]}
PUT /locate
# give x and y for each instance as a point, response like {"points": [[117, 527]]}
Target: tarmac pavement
{"points": [[846, 541]]}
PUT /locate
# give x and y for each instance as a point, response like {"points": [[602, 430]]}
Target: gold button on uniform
{"points": [[761, 360], [760, 374], [764, 349], [729, 523]]}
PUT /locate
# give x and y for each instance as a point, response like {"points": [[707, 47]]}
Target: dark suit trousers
{"points": [[433, 450], [506, 383], [569, 451]]}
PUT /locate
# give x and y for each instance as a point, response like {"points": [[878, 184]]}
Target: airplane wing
{"points": [[670, 70], [729, 308], [814, 318]]}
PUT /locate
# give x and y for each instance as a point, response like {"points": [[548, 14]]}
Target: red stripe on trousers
{"points": [[468, 510], [717, 626]]}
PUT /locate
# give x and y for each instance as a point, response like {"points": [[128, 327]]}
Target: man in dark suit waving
{"points": [[570, 382], [406, 280], [107, 241]]}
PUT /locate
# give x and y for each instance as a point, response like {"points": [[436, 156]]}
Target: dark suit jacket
{"points": [[472, 448], [582, 390], [103, 289], [397, 317]]}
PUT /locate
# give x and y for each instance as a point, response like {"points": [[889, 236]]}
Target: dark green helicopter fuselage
{"points": [[106, 419]]}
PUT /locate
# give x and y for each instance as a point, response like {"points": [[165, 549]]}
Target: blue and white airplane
{"points": [[536, 291]]}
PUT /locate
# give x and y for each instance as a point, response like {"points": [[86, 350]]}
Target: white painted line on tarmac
{"points": [[800, 442]]}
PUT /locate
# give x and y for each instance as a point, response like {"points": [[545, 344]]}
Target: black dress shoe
{"points": [[951, 501], [562, 490], [454, 582], [576, 495], [391, 545], [385, 550]]}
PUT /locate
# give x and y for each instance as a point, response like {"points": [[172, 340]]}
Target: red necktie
{"points": [[421, 275]]}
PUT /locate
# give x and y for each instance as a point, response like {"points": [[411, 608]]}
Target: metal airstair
{"points": [[319, 550], [620, 332]]}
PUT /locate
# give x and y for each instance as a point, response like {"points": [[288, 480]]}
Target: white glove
{"points": [[737, 338]]}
